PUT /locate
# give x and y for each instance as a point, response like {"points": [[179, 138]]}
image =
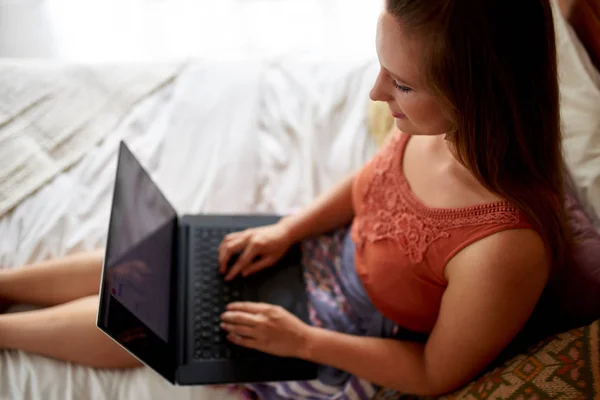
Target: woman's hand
{"points": [[267, 328], [260, 248]]}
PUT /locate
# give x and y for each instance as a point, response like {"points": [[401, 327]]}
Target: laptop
{"points": [[161, 294]]}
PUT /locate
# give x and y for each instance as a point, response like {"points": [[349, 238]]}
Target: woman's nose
{"points": [[380, 92]]}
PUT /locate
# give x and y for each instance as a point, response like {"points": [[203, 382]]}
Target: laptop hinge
{"points": [[181, 290]]}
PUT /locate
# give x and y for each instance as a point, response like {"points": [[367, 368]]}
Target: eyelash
{"points": [[403, 89]]}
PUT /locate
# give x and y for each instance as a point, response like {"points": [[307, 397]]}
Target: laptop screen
{"points": [[135, 296]]}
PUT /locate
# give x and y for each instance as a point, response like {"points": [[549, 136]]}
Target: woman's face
{"points": [[400, 83]]}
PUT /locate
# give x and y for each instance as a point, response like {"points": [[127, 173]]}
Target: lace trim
{"points": [[390, 210]]}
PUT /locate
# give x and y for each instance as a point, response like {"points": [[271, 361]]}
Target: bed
{"points": [[258, 134]]}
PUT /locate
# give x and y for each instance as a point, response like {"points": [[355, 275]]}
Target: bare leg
{"points": [[66, 332], [54, 281]]}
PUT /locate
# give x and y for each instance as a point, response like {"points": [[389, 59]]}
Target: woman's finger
{"points": [[244, 342], [258, 265], [233, 235], [248, 254], [240, 318], [242, 330], [249, 307], [230, 238], [227, 250]]}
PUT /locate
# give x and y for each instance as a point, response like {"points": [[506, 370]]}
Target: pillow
{"points": [[580, 113], [379, 121], [584, 16], [573, 298]]}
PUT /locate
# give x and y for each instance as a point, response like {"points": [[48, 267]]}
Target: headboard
{"points": [[584, 17]]}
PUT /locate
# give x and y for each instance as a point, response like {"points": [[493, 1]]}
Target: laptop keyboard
{"points": [[210, 296]]}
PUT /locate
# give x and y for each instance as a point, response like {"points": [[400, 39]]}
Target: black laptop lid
{"points": [[138, 276]]}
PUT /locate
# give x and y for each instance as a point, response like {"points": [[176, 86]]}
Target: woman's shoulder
{"points": [[509, 254]]}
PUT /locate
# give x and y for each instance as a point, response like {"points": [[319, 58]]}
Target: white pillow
{"points": [[580, 112]]}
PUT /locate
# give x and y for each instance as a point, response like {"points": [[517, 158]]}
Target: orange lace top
{"points": [[403, 246]]}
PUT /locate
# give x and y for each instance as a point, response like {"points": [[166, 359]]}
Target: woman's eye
{"points": [[401, 88]]}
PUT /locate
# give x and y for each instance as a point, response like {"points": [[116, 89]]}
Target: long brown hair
{"points": [[492, 64]]}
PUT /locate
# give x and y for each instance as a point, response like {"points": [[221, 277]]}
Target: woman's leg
{"points": [[53, 282], [66, 332]]}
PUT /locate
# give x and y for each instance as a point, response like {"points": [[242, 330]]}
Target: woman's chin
{"points": [[403, 125]]}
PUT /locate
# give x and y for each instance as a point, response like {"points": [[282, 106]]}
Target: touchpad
{"points": [[283, 285]]}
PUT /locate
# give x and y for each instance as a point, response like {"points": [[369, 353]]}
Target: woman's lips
{"points": [[398, 115]]}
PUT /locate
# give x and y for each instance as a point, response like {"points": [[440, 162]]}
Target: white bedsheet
{"points": [[234, 136], [51, 115]]}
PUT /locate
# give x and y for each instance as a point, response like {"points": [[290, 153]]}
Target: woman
{"points": [[457, 224]]}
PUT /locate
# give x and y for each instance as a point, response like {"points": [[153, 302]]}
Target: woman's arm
{"points": [[331, 210], [493, 287]]}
